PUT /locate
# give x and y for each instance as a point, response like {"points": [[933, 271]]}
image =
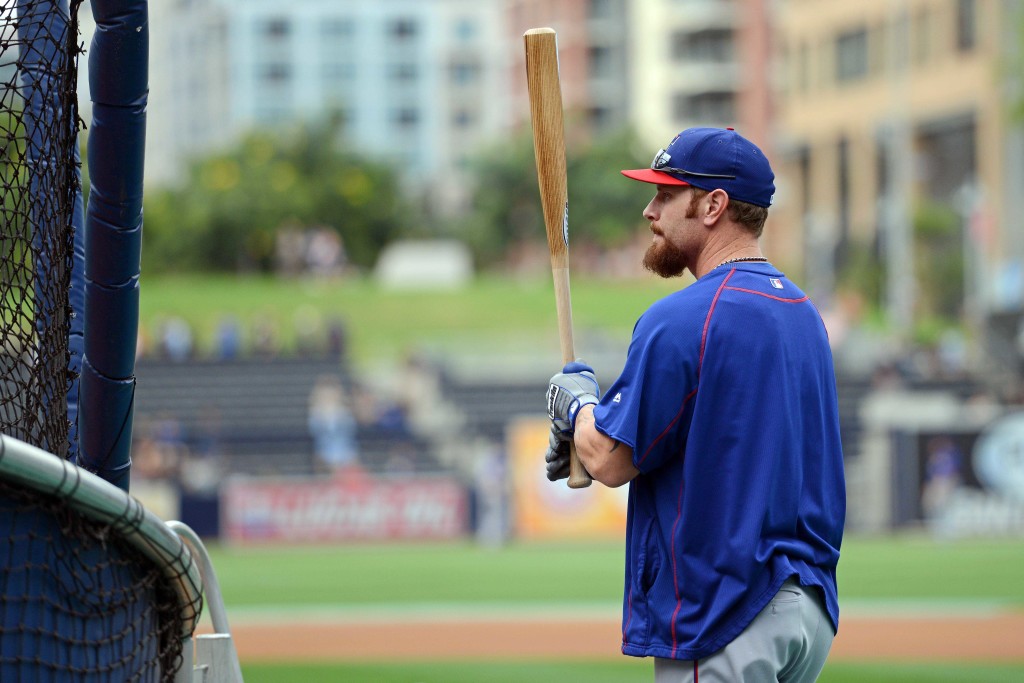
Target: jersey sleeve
{"points": [[646, 407]]}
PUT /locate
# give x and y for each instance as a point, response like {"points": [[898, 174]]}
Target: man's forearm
{"points": [[608, 461]]}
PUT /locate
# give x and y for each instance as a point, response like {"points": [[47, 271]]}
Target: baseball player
{"points": [[725, 425]]}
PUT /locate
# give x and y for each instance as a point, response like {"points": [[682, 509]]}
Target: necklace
{"points": [[743, 259]]}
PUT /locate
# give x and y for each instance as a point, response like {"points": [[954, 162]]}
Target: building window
{"points": [[803, 68], [465, 30], [599, 9], [464, 72], [712, 45], [402, 29], [274, 73], [335, 73], [276, 29], [599, 62], [402, 72], [463, 119], [922, 39], [600, 118], [966, 25], [718, 108], [405, 117], [335, 28], [852, 56]]}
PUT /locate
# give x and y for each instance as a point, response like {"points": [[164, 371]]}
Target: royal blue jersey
{"points": [[728, 399]]}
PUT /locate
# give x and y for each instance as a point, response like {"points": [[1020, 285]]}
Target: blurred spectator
{"points": [[176, 339], [333, 427], [309, 339], [325, 253], [420, 395], [942, 475], [490, 493], [264, 337], [290, 251], [141, 343], [229, 338], [158, 448], [337, 338]]}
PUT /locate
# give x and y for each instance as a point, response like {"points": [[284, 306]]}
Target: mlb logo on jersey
{"points": [[776, 282]]}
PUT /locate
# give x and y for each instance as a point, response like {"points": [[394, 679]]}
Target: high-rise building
{"points": [[593, 55], [699, 63], [415, 83]]}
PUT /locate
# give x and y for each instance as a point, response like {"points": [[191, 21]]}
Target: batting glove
{"points": [[557, 457], [571, 389]]}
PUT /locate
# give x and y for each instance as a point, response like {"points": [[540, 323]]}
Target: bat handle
{"points": [[579, 478]]}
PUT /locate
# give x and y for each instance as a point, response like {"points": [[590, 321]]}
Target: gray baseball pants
{"points": [[787, 642]]}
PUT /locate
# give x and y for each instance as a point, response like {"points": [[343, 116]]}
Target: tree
{"points": [[232, 205], [604, 208]]}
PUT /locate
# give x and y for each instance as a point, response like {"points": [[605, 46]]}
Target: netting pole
{"points": [[118, 83]]}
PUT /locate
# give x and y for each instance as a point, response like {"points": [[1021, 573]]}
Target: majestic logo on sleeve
{"points": [[776, 282]]}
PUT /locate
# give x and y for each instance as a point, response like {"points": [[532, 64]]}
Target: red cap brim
{"points": [[649, 175]]}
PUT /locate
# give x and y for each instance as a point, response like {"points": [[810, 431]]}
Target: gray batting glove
{"points": [[557, 457], [571, 389]]}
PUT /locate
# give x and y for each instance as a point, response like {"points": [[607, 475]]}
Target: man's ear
{"points": [[717, 201]]}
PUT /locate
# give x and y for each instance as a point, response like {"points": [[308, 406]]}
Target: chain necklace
{"points": [[742, 259]]}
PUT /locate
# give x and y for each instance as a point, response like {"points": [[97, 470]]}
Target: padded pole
{"points": [[119, 85]]}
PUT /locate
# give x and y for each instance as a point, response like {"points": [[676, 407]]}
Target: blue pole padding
{"points": [[118, 396], [76, 336], [118, 83], [115, 311]]}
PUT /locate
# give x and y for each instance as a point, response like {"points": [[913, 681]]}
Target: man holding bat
{"points": [[724, 422]]}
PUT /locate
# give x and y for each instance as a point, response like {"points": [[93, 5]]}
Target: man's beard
{"points": [[664, 259]]}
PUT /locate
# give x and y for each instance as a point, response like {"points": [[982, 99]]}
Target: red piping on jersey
{"points": [[707, 320], [675, 572], [696, 672], [679, 506], [675, 419], [769, 296], [629, 619]]}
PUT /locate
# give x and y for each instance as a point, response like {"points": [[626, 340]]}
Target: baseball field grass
{"points": [[887, 575]]}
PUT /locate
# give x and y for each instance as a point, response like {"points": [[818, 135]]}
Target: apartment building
{"points": [[593, 54], [417, 83], [884, 109]]}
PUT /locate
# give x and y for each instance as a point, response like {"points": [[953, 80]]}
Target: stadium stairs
{"points": [[252, 412]]}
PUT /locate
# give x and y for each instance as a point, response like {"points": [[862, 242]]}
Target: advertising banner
{"points": [[545, 509], [330, 510], [963, 483]]}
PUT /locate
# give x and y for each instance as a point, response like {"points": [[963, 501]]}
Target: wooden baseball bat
{"points": [[549, 148]]}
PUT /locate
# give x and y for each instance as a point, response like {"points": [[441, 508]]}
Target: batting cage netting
{"points": [[92, 586], [95, 588], [39, 181]]}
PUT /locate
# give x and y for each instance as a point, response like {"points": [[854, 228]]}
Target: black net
{"points": [[39, 182], [78, 602]]}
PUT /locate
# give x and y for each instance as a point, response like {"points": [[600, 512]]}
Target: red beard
{"points": [[664, 259]]}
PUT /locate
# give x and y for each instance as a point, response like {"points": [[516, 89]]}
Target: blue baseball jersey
{"points": [[728, 399]]}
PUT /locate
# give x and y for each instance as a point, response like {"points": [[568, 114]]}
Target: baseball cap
{"points": [[711, 159]]}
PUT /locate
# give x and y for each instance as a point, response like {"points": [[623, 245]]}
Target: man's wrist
{"points": [[585, 407]]}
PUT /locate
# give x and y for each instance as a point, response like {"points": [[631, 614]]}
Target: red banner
{"points": [[319, 510]]}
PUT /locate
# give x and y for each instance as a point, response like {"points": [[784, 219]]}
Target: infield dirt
{"points": [[997, 637]]}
